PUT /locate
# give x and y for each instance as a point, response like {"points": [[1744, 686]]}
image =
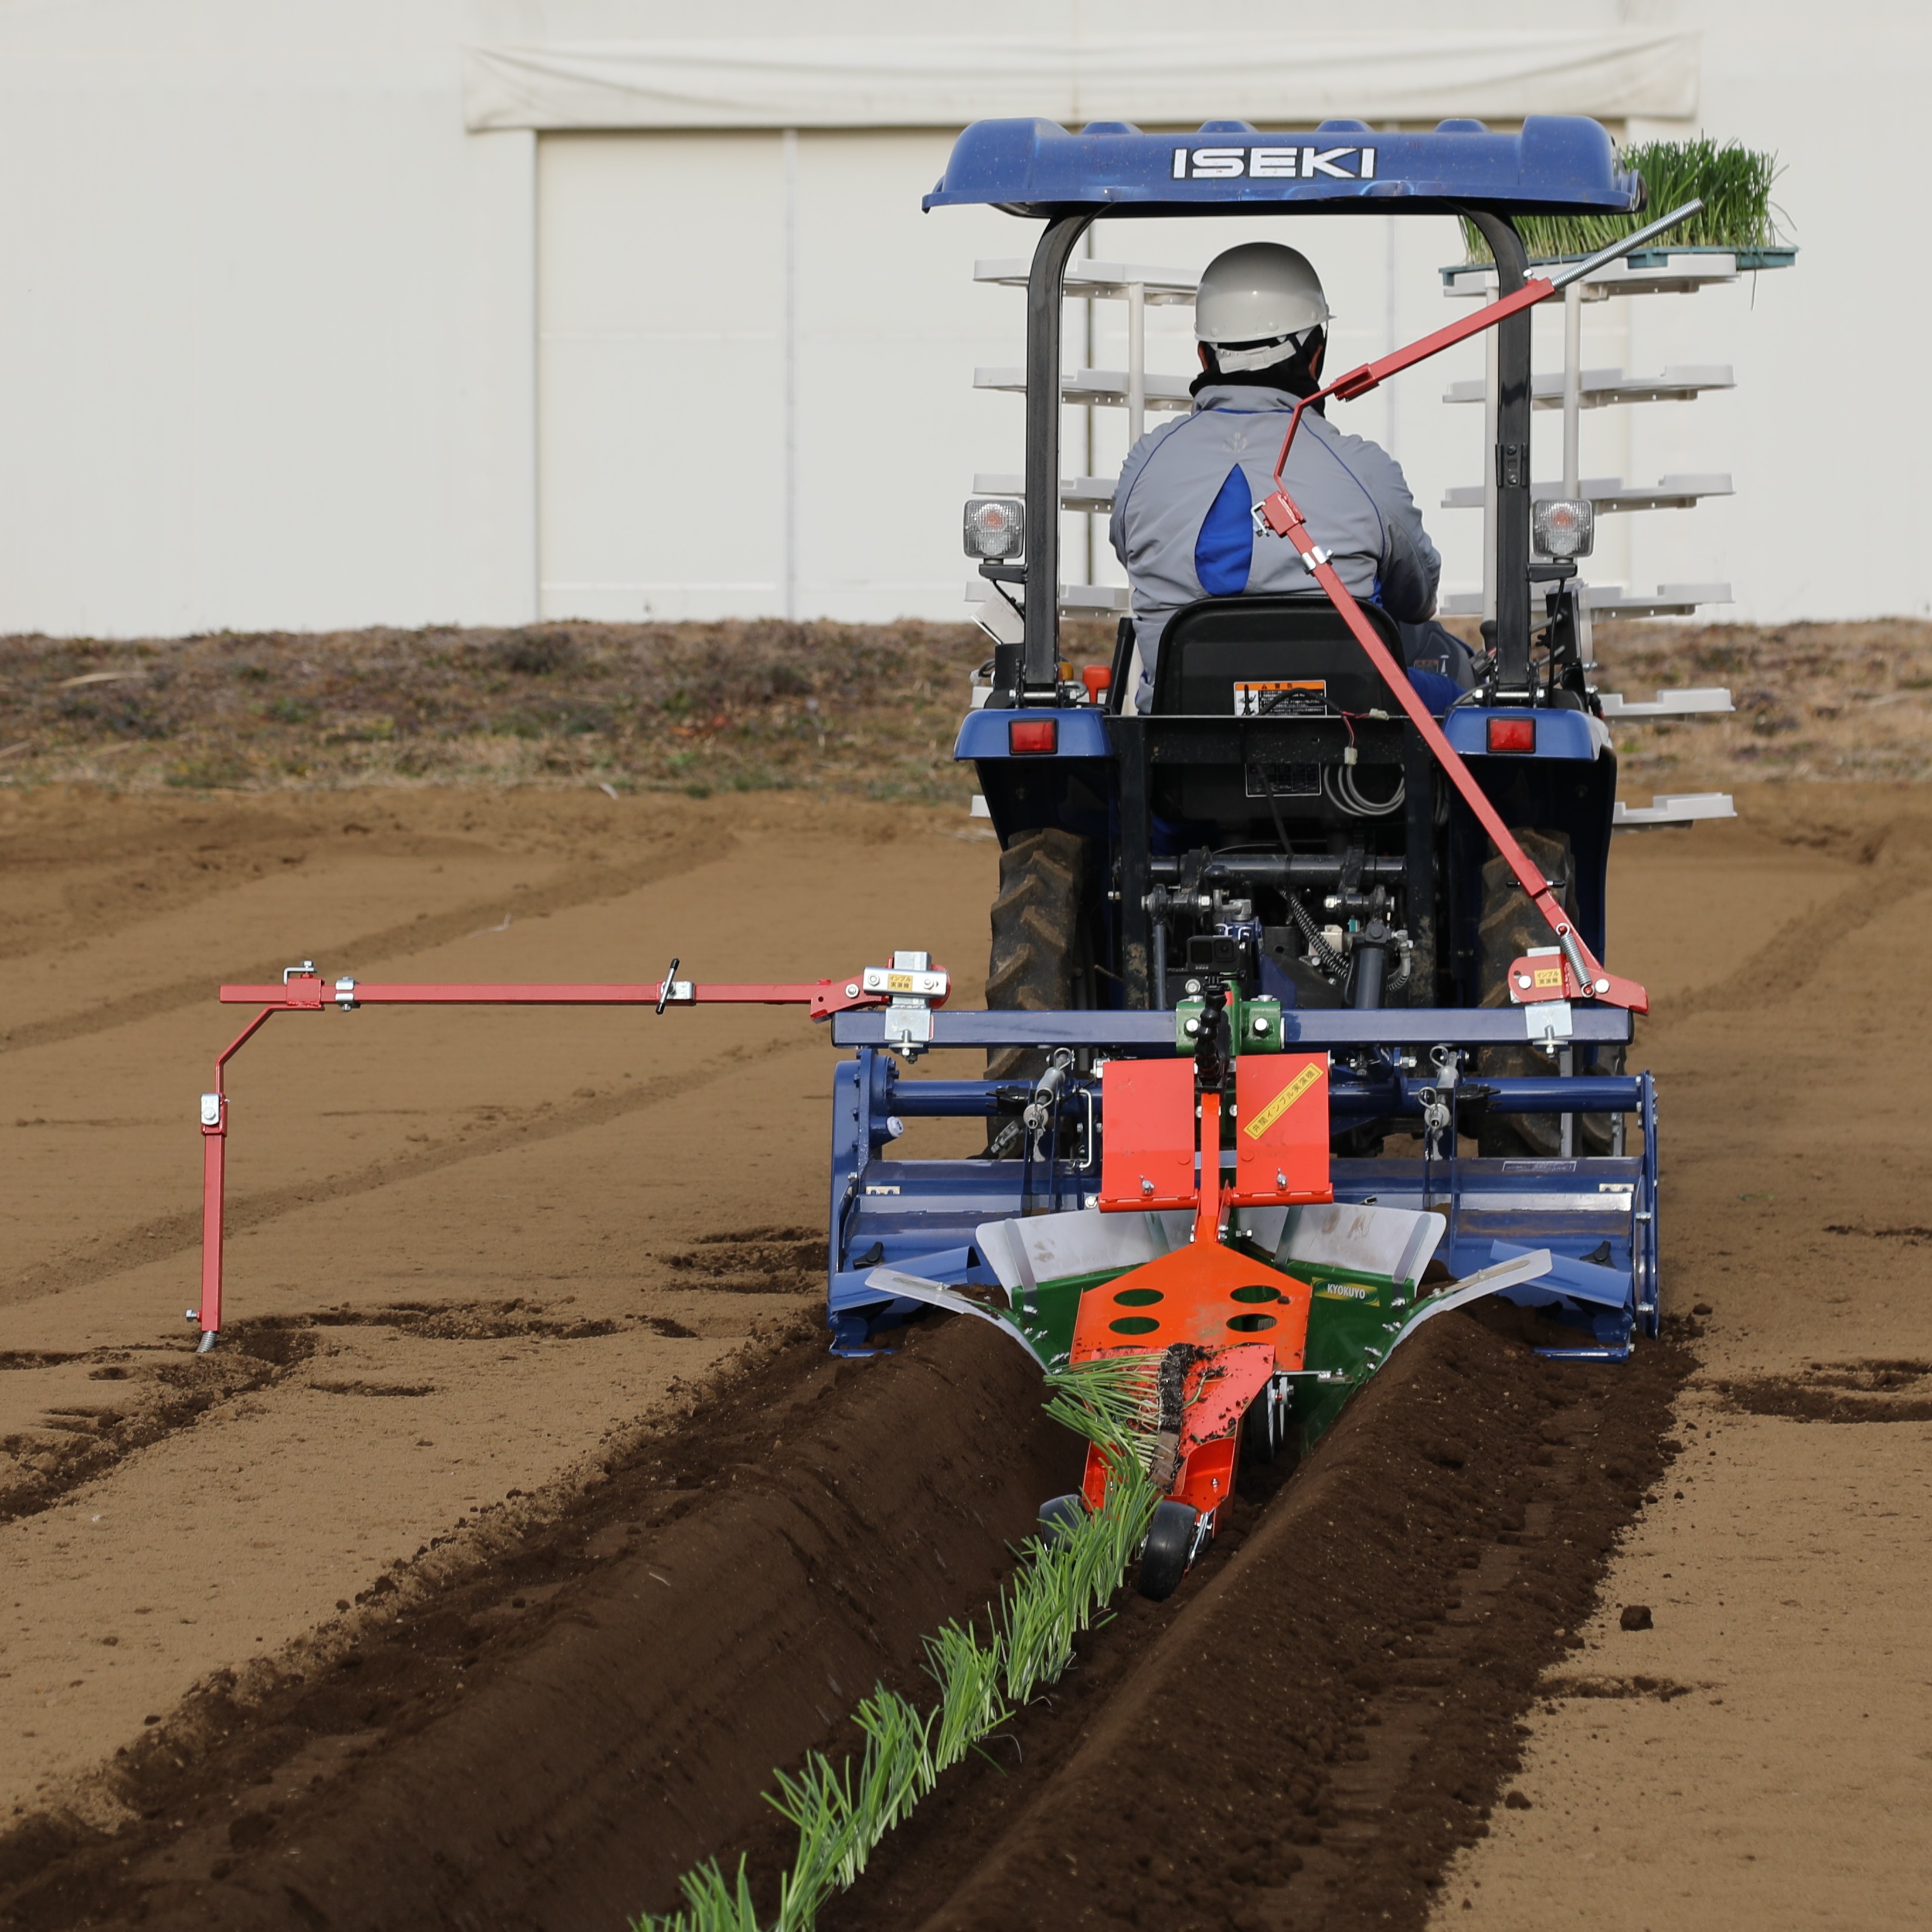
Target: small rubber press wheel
{"points": [[1164, 1560], [1059, 1516]]}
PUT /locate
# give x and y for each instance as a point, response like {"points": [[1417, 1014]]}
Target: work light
{"points": [[995, 526], [1565, 526]]}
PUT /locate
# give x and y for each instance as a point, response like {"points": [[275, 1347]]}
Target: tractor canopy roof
{"points": [[1558, 163]]}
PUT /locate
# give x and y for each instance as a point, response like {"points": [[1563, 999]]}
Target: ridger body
{"points": [[1245, 937]]}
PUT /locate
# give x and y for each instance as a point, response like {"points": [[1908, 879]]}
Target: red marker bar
{"points": [[309, 994], [304, 991], [1359, 382]]}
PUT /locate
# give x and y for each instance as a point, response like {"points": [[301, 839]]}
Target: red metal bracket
{"points": [[1280, 513], [1586, 978]]}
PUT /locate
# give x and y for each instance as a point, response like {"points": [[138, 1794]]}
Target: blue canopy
{"points": [[1558, 163]]}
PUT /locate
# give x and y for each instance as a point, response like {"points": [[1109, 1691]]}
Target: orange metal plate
{"points": [[1209, 1445], [1147, 1158], [1281, 1139], [1219, 1390], [1207, 1295]]}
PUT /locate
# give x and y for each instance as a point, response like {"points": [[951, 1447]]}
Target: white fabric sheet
{"points": [[1274, 80]]}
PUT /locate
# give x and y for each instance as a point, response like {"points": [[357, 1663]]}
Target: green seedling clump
{"points": [[841, 1813], [1734, 181]]}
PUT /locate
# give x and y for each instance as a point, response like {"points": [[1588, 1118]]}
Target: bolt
{"points": [[1192, 1027], [1261, 1023], [1523, 980], [852, 991], [1147, 1186], [1602, 986]]}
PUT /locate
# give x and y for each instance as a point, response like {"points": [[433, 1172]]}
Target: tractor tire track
{"points": [[173, 1388], [578, 885], [177, 1234], [1788, 961]]}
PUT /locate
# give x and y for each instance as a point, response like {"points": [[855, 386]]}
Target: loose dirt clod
{"points": [[1636, 1617]]}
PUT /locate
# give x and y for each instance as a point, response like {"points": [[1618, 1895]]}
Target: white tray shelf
{"points": [[1705, 702], [1103, 388], [1602, 388], [1076, 492], [1651, 272], [1098, 281], [1673, 808], [1607, 600], [1611, 494]]}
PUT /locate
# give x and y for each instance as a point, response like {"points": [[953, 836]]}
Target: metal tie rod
{"points": [[1628, 245]]}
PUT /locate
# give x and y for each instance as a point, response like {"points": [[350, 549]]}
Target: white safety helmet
{"points": [[1262, 295]]}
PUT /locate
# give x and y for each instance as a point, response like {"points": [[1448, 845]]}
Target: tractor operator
{"points": [[1183, 522]]}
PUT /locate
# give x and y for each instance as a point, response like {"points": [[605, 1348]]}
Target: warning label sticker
{"points": [[1283, 1101], [1281, 697]]}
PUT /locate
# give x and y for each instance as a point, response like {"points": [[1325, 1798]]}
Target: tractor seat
{"points": [[1299, 646]]}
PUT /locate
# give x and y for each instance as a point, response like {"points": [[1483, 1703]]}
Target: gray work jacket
{"points": [[1182, 509]]}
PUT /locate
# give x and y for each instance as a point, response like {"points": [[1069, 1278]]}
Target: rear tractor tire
{"points": [[1510, 925], [1040, 958]]}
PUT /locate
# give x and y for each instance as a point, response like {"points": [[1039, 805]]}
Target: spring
{"points": [[1329, 961]]}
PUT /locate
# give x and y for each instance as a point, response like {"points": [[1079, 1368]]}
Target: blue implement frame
{"points": [[1597, 1214]]}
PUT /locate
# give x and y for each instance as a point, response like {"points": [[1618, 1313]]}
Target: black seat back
{"points": [[1286, 663], [1211, 649]]}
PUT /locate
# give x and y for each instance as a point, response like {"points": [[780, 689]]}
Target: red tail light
{"points": [[1032, 737], [1512, 734]]}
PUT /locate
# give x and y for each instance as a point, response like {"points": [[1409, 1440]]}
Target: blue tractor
{"points": [[1277, 855]]}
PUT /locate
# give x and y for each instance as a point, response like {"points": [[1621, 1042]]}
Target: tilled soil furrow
{"points": [[1302, 1738], [1309, 1731]]}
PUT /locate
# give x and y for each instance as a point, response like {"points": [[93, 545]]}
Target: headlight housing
{"points": [[1565, 527], [995, 526]]}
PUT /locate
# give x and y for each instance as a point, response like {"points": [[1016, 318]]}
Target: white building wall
{"points": [[275, 342], [676, 428], [1834, 401], [265, 322]]}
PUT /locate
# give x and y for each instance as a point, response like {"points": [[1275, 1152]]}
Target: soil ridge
{"points": [[559, 1758]]}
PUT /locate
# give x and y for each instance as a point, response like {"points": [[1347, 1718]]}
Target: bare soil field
{"points": [[525, 1526]]}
